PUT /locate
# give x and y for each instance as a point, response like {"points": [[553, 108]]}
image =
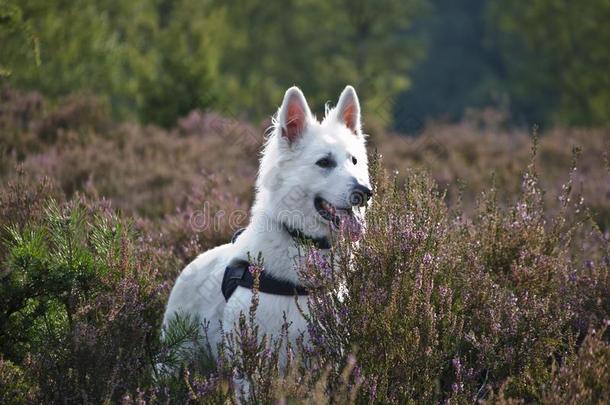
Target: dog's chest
{"points": [[271, 313]]}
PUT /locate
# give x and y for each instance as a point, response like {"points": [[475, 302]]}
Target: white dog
{"points": [[312, 181]]}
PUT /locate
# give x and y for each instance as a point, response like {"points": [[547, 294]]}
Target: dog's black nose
{"points": [[360, 195]]}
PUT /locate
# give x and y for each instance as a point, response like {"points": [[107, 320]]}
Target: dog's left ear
{"points": [[348, 109]]}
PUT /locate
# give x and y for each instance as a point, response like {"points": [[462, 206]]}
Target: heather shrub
{"points": [[482, 275], [82, 113], [22, 202], [81, 303], [585, 376], [438, 307], [29, 125], [431, 306], [467, 160], [392, 304], [145, 170], [150, 171], [209, 217], [19, 110], [18, 113]]}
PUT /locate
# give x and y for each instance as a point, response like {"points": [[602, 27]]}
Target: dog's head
{"points": [[314, 175]]}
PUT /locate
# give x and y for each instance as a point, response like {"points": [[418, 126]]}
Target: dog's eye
{"points": [[354, 160], [325, 162]]}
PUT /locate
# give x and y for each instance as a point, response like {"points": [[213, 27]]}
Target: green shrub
{"points": [[80, 303], [15, 387]]}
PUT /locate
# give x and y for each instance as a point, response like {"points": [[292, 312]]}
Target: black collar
{"points": [[238, 274], [299, 236]]}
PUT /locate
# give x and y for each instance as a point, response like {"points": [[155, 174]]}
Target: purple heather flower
{"points": [[254, 269], [427, 260], [457, 364]]}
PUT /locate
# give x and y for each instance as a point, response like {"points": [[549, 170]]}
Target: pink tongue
{"points": [[350, 225]]}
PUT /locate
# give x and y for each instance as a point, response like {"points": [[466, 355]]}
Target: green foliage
{"points": [[76, 296], [162, 59], [15, 388], [556, 55], [544, 62], [183, 62], [183, 338], [14, 28], [121, 51], [461, 68], [319, 45], [49, 268], [78, 49]]}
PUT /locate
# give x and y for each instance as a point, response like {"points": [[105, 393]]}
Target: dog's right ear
{"points": [[294, 115]]}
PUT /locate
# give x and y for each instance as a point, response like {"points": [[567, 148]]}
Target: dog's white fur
{"points": [[287, 183]]}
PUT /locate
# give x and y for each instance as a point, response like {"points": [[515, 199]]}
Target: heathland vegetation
{"points": [[485, 272], [130, 134]]}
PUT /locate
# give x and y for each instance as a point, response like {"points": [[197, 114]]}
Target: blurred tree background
{"points": [[544, 62]]}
